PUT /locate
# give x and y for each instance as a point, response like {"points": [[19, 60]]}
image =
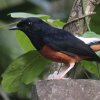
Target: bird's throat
{"points": [[36, 41]]}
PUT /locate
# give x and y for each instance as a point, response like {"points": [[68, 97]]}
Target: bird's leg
{"points": [[62, 73], [71, 65]]}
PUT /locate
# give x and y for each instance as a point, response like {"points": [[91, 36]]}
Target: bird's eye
{"points": [[29, 23]]}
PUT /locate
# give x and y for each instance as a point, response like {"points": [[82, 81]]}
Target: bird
{"points": [[57, 44]]}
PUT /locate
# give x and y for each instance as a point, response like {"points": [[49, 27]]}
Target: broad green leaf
{"points": [[25, 15], [24, 90], [56, 23], [24, 41], [95, 20], [91, 34], [24, 69], [91, 67]]}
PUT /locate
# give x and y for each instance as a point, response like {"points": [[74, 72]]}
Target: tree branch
{"points": [[79, 26], [77, 19]]}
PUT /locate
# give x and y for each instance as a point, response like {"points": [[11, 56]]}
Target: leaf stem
{"points": [[79, 18], [87, 24], [3, 94]]}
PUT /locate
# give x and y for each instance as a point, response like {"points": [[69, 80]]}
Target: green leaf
{"points": [[46, 18], [57, 23], [24, 69], [25, 15], [91, 34], [91, 67], [24, 41], [24, 90]]}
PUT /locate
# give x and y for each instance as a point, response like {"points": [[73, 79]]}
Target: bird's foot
{"points": [[53, 76], [56, 76], [61, 74]]}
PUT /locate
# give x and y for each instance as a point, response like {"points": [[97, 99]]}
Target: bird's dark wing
{"points": [[63, 41]]}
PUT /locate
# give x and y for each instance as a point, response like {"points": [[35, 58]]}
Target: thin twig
{"points": [[76, 19], [85, 18], [4, 95], [84, 71], [96, 2], [98, 68], [60, 68]]}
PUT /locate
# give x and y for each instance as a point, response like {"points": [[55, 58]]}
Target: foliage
{"points": [[95, 21], [90, 34], [24, 69], [25, 15], [24, 41]]}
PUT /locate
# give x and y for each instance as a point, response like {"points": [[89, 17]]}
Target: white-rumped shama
{"points": [[58, 44]]}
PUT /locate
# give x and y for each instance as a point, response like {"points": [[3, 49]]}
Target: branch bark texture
{"points": [[79, 27]]}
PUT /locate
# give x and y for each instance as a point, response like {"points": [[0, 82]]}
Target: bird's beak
{"points": [[13, 28]]}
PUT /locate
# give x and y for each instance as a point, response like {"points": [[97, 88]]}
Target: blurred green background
{"points": [[9, 46]]}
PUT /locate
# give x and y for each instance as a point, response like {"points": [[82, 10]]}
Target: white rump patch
{"points": [[88, 40]]}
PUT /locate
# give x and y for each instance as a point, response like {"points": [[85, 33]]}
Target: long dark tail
{"points": [[96, 58], [95, 46]]}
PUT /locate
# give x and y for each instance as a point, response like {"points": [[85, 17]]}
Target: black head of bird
{"points": [[31, 25]]}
